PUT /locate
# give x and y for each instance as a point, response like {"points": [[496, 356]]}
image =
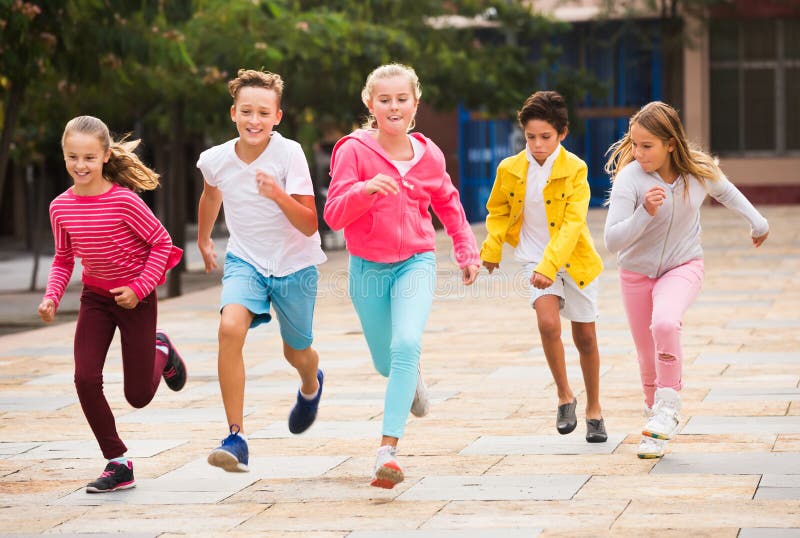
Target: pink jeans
{"points": [[655, 308]]}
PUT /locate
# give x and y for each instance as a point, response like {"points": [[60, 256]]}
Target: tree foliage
{"points": [[141, 65]]}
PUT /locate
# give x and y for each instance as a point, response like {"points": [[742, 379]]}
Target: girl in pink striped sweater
{"points": [[125, 252]]}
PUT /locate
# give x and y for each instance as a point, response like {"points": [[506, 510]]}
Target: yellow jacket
{"points": [[566, 196]]}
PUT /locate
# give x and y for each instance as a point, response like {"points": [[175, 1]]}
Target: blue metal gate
{"points": [[632, 69]]}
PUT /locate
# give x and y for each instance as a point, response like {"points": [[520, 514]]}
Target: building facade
{"points": [[732, 71]]}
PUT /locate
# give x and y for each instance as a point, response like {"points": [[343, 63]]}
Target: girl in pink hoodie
{"points": [[383, 180]]}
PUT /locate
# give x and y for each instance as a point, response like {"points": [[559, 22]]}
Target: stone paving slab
{"points": [[568, 516], [725, 425], [192, 520], [11, 403], [375, 400], [29, 351], [199, 483], [177, 416], [439, 533], [658, 487], [489, 435], [709, 513], [90, 535], [749, 394], [779, 486], [770, 533], [56, 450], [365, 429], [109, 378], [751, 463], [540, 444], [774, 357], [495, 488], [763, 324], [538, 373]]}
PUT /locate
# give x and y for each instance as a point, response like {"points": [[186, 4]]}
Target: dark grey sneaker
{"points": [[175, 370], [116, 476], [596, 431], [566, 421]]}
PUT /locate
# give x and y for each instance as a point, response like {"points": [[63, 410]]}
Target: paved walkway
{"points": [[486, 462]]}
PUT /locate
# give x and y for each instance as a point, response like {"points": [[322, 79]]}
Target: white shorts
{"points": [[575, 304]]}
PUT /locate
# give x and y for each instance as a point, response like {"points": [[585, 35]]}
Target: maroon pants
{"points": [[142, 364]]}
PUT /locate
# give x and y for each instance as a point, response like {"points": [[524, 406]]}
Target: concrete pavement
{"points": [[486, 462]]}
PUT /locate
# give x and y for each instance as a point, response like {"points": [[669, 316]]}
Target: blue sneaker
{"points": [[304, 411], [232, 455]]}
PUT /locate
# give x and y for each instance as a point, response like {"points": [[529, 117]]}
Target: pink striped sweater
{"points": [[118, 239]]}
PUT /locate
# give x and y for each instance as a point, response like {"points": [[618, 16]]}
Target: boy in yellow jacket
{"points": [[538, 204]]}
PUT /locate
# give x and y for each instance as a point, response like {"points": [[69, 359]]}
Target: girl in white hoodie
{"points": [[653, 224]]}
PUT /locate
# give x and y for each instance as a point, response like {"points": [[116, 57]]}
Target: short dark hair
{"points": [[545, 105]]}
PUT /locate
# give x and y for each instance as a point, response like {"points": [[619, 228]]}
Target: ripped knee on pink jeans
{"points": [[667, 357]]}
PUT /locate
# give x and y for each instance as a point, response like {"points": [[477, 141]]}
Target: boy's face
{"points": [[256, 111], [542, 139]]}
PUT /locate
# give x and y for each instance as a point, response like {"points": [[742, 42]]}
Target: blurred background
{"points": [[158, 69]]}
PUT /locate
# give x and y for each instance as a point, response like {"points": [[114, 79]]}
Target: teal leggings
{"points": [[393, 301]]}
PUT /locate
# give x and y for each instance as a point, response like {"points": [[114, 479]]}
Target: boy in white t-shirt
{"points": [[264, 181]]}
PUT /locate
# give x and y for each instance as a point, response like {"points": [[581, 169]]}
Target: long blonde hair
{"points": [[663, 122], [389, 71], [123, 167]]}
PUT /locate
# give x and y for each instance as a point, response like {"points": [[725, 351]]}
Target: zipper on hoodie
{"points": [[666, 236], [402, 206]]}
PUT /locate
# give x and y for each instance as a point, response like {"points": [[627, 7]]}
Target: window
{"points": [[755, 86]]}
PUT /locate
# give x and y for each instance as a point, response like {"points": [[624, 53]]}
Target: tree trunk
{"points": [[176, 195], [13, 105], [38, 192]]}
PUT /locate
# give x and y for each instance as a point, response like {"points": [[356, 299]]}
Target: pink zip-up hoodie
{"points": [[394, 227]]}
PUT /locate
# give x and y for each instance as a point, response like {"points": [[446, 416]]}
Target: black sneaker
{"points": [[175, 370], [116, 476]]}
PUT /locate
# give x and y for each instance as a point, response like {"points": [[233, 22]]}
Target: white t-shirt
{"points": [[260, 233], [404, 166], [534, 235]]}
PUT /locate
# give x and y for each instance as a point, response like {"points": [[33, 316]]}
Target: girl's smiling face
{"points": [[84, 157]]}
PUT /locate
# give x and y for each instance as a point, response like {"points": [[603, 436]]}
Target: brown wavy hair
{"points": [[246, 78]]}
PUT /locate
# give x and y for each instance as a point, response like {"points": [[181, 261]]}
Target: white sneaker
{"points": [[421, 404], [650, 448], [388, 472], [664, 422]]}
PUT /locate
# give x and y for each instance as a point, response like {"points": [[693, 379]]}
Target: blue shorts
{"points": [[293, 297]]}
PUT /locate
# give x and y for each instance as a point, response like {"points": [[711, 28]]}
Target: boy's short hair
{"points": [[545, 105], [258, 79]]}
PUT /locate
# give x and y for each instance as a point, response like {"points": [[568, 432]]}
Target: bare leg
{"points": [[583, 334], [230, 365], [550, 330], [306, 362]]}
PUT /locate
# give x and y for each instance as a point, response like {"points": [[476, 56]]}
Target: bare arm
{"points": [[207, 213], [300, 209]]}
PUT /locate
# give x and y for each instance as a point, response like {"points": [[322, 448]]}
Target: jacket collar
{"points": [[519, 165]]}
